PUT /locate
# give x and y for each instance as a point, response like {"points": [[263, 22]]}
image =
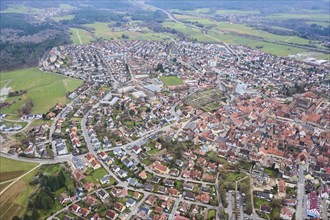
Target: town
{"points": [[184, 130]]}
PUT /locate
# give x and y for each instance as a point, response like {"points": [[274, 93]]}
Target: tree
{"points": [[35, 214]]}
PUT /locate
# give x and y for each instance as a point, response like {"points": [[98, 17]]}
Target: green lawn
{"points": [[211, 214], [45, 89], [234, 176], [171, 80], [271, 173], [85, 36]]}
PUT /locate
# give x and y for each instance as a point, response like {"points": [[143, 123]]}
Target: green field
{"points": [[11, 169], [65, 17], [45, 89], [211, 214], [21, 9], [271, 48], [306, 16], [171, 80], [103, 30], [236, 12], [85, 36], [15, 200]]}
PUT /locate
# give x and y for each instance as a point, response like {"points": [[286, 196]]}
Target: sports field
{"points": [[45, 89], [171, 80]]}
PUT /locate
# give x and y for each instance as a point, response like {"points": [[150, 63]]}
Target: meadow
{"points": [[15, 199], [64, 17], [45, 89], [102, 30], [80, 36], [11, 169]]}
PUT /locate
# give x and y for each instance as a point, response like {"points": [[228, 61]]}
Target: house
{"points": [[95, 217], [75, 208], [173, 192], [187, 186], [204, 197], [64, 198], [103, 194], [264, 195], [325, 193], [158, 167], [143, 175], [118, 193], [84, 212], [265, 208], [119, 207], [169, 183], [184, 207], [132, 181], [110, 214], [154, 179], [130, 202], [90, 200], [95, 164], [136, 195], [286, 213], [77, 163], [281, 188], [179, 162], [313, 206], [189, 196], [137, 149], [161, 190], [89, 186], [103, 155], [105, 180]]}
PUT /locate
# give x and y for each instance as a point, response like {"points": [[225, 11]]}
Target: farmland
{"points": [[10, 169], [80, 36], [103, 30], [44, 89], [62, 18], [15, 199], [171, 80]]}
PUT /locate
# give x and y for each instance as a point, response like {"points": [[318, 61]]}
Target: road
{"points": [[301, 194]]}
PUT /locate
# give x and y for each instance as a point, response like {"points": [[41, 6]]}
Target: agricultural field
{"points": [[21, 9], [190, 32], [306, 16], [62, 18], [44, 89], [236, 12], [171, 80], [209, 97], [11, 169], [80, 36], [15, 199], [103, 30], [271, 48]]}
